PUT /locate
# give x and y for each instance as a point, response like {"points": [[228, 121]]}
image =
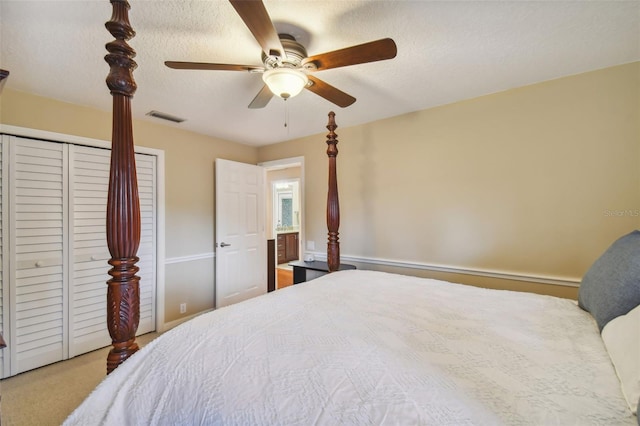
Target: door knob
{"points": [[223, 244]]}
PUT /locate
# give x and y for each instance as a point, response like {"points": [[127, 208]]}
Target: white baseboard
{"points": [[169, 325]]}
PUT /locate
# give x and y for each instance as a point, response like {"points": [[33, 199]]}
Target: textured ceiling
{"points": [[447, 51]]}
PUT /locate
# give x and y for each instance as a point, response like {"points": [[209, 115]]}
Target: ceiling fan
{"points": [[286, 67]]}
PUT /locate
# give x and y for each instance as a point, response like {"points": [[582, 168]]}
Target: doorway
{"points": [[285, 213], [286, 205]]}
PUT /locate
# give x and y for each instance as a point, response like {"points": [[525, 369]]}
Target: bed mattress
{"points": [[364, 347]]}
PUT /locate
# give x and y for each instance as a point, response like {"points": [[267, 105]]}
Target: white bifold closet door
{"points": [[53, 250], [89, 253], [38, 241], [146, 171]]}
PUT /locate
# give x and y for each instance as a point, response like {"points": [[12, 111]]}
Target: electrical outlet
{"points": [[311, 245], [183, 308]]}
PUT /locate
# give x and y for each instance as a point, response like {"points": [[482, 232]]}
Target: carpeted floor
{"points": [[47, 395]]}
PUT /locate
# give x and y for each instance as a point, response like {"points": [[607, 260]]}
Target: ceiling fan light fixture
{"points": [[285, 82]]}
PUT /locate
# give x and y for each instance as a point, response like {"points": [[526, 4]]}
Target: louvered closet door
{"points": [[146, 171], [38, 196], [89, 178], [4, 257]]}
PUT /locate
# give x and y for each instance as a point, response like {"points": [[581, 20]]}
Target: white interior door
{"points": [[241, 245]]}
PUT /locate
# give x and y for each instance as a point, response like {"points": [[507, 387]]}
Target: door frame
{"points": [[285, 163]]}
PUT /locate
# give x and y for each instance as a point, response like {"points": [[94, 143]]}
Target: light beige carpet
{"points": [[47, 395]]}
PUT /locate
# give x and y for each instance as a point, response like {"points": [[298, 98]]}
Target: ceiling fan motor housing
{"points": [[294, 51]]}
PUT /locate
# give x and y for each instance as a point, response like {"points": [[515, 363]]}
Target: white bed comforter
{"points": [[362, 347]]}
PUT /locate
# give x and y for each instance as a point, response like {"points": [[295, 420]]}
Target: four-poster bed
{"points": [[362, 347]]}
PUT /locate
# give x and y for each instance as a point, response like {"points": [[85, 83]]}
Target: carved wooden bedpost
{"points": [[333, 206], [123, 205]]}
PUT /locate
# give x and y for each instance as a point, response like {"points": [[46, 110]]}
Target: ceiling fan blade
{"points": [[214, 67], [378, 50], [256, 18], [262, 98], [329, 92]]}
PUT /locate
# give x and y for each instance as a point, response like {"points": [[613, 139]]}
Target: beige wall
{"points": [[518, 181], [189, 182], [525, 181]]}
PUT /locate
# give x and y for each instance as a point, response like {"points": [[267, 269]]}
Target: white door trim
{"points": [[285, 163]]}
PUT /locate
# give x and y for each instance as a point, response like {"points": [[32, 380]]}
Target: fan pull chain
{"points": [[286, 116]]}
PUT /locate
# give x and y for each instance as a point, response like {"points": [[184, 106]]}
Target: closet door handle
{"points": [[223, 244]]}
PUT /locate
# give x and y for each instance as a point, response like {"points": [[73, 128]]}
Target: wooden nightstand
{"points": [[305, 271]]}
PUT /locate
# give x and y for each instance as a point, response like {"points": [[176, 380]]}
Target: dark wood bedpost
{"points": [[123, 205], [333, 206]]}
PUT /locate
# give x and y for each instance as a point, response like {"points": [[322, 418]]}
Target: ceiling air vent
{"points": [[164, 116]]}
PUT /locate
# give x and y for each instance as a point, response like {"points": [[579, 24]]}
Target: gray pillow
{"points": [[611, 287]]}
